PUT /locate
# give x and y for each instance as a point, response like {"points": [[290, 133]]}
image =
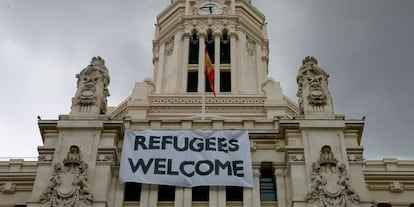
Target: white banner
{"points": [[187, 158]]}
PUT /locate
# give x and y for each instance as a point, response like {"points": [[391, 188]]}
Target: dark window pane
{"points": [[210, 47], [234, 193], [225, 50], [267, 183], [384, 205], [166, 193], [132, 192], [192, 81], [200, 193], [225, 81], [193, 50], [207, 84]]}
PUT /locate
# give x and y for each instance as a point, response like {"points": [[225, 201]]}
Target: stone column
{"points": [[233, 62], [186, 45], [281, 187], [251, 196], [217, 38], [201, 62]]}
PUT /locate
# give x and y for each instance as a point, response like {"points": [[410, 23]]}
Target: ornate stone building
{"points": [[303, 154]]}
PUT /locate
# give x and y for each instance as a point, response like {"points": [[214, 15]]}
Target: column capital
{"points": [[202, 34], [233, 35], [186, 35]]}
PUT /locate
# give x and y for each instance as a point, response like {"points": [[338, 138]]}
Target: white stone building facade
{"points": [[303, 154]]}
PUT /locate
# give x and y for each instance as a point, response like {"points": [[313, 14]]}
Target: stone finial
{"points": [[313, 93], [92, 91]]}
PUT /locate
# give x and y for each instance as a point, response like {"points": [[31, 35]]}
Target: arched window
{"points": [[210, 45], [225, 48], [193, 50]]}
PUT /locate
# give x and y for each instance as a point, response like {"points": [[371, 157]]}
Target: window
{"points": [[210, 47], [200, 193], [225, 49], [225, 81], [193, 50], [192, 81], [132, 192], [267, 183], [234, 193], [166, 193]]}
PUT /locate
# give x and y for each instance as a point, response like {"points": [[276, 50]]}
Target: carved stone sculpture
{"points": [[313, 85], [330, 182], [69, 183], [92, 88]]}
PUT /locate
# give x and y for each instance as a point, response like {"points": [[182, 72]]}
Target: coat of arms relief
{"points": [[330, 182], [69, 182]]}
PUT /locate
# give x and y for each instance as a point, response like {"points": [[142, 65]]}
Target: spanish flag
{"points": [[209, 70]]}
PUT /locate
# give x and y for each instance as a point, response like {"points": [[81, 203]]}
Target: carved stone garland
{"points": [[330, 182], [69, 183]]}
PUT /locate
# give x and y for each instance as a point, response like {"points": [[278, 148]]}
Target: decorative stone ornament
{"points": [[169, 46], [69, 183], [92, 91], [250, 46], [330, 182], [313, 90]]}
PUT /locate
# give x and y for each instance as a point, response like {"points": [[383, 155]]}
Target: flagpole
{"points": [[203, 103]]}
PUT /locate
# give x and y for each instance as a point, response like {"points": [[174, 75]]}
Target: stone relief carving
{"points": [[354, 158], [330, 182], [250, 46], [8, 188], [312, 81], [69, 182], [92, 87], [203, 25], [169, 46], [45, 158]]}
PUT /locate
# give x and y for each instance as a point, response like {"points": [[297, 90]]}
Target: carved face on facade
{"points": [[317, 96]]}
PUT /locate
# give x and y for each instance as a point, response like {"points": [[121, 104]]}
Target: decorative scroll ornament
{"points": [[92, 88], [313, 84], [330, 182], [169, 46], [69, 183]]}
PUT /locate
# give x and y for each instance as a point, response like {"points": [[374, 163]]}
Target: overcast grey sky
{"points": [[366, 46]]}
